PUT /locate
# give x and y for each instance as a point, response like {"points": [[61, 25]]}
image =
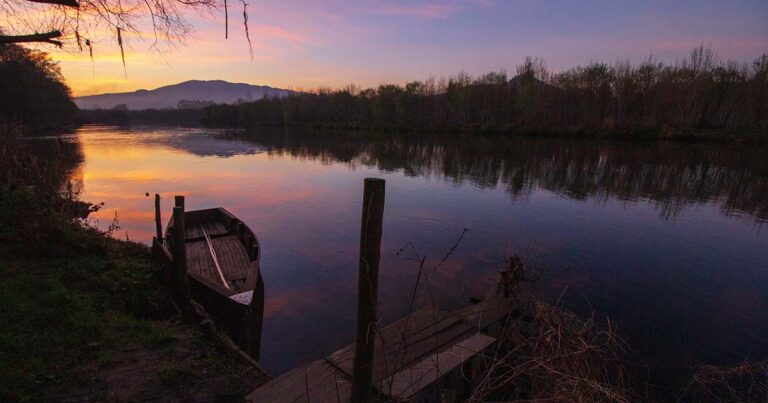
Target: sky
{"points": [[308, 44]]}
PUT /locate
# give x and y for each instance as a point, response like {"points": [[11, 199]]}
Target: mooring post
{"points": [[367, 288], [255, 320], [158, 219], [180, 255]]}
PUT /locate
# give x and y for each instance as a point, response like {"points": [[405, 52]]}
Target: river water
{"points": [[667, 240]]}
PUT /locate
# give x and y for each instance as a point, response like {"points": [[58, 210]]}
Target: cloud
{"points": [[279, 33], [430, 11], [427, 11]]}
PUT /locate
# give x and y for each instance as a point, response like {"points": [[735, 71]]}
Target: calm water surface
{"points": [[668, 240]]}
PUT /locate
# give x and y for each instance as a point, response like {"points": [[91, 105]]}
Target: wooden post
{"points": [[180, 256], [254, 320], [158, 219], [367, 288]]}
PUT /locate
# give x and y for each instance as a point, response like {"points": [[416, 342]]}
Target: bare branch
{"points": [[245, 23], [68, 3], [43, 38]]}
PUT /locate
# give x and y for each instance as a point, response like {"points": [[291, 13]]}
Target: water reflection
{"points": [[672, 175], [663, 238]]}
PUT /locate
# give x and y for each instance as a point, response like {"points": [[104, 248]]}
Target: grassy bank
{"points": [[88, 317]]}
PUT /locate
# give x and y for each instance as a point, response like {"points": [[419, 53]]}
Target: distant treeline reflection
{"points": [[672, 175]]}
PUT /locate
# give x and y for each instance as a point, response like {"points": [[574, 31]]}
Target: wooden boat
{"points": [[223, 257]]}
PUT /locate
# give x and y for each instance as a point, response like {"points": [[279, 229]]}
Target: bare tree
{"points": [[79, 23]]}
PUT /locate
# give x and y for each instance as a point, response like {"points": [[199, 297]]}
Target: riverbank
{"points": [[37, 213], [211, 117], [86, 317]]}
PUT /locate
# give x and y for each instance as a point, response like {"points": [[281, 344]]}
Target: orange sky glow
{"points": [[332, 43]]}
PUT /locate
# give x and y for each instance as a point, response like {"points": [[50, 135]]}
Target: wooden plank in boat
{"points": [[196, 260], [233, 258], [406, 383], [214, 228], [405, 341], [193, 231], [318, 381]]}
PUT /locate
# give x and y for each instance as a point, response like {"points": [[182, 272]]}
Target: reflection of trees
{"points": [[44, 163], [672, 175], [207, 146]]}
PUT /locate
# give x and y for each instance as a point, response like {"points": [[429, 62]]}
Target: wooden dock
{"points": [[216, 258], [412, 354]]}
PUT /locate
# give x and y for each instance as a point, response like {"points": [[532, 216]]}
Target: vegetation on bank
{"points": [[700, 96], [84, 316], [34, 97]]}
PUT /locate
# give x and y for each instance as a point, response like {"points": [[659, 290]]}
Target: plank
{"points": [[196, 261], [405, 341], [486, 312], [317, 381], [193, 231], [233, 257], [214, 258], [215, 228], [406, 383]]}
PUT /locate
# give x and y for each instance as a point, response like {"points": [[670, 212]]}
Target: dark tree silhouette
{"points": [[34, 95], [697, 94]]}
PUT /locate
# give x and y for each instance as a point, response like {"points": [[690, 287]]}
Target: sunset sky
{"points": [[332, 43]]}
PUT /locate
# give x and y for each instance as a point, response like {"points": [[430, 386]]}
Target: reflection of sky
{"points": [[332, 43], [701, 270]]}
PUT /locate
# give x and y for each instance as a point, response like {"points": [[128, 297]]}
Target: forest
{"points": [[699, 96]]}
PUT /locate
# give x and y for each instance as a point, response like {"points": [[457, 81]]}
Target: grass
{"points": [[87, 316]]}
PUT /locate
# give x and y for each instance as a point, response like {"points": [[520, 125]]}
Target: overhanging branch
{"points": [[68, 3], [47, 37]]}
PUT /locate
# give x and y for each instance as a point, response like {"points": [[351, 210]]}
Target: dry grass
{"points": [[746, 382], [550, 354]]}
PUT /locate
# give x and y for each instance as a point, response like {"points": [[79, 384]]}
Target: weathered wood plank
{"points": [[235, 264], [316, 382], [406, 383], [193, 231], [486, 312], [215, 228], [406, 340]]}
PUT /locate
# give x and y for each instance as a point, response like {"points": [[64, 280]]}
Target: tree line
{"points": [[697, 94], [34, 96]]}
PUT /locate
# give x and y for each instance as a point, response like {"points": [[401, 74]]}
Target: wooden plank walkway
{"points": [[411, 354]]}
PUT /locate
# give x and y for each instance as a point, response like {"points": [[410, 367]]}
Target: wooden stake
{"points": [[367, 288], [180, 256], [158, 219], [255, 320]]}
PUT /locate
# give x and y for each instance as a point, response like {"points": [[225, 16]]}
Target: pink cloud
{"points": [[431, 11], [279, 33]]}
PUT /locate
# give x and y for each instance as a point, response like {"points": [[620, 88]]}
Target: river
{"points": [[668, 240]]}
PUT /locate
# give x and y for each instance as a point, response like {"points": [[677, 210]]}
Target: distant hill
{"points": [[217, 91]]}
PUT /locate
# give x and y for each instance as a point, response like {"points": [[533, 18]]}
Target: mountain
{"points": [[169, 96]]}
